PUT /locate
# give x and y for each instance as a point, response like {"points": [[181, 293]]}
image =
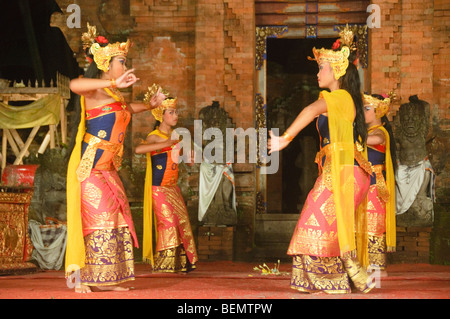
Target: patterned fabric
{"points": [[102, 146], [377, 251], [164, 168], [328, 274], [316, 230], [172, 260], [109, 258], [104, 204], [173, 227], [376, 213], [310, 273]]}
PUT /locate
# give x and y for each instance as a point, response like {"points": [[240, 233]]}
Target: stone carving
{"points": [[414, 176], [217, 199]]}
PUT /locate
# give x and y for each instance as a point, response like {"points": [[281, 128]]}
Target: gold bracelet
{"points": [[287, 136], [113, 83]]}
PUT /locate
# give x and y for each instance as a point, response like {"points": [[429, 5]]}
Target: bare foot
{"points": [[83, 289]]}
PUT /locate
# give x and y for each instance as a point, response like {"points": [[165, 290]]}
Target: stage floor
{"points": [[231, 280]]}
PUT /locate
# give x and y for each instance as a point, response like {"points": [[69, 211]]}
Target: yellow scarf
{"points": [[147, 241], [391, 235], [341, 111], [75, 252]]}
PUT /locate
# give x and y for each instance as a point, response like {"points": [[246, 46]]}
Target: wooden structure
{"points": [[30, 93], [15, 243]]}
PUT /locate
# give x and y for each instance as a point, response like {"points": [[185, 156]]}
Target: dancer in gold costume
{"points": [[381, 198], [100, 230], [331, 230], [175, 246]]}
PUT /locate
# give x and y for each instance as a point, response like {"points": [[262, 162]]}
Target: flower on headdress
{"points": [[101, 39], [336, 45]]}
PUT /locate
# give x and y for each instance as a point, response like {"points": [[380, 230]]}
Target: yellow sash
{"points": [[341, 112], [75, 252], [391, 235], [147, 240]]}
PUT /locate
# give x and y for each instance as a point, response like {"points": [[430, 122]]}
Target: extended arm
{"points": [[376, 137], [152, 144], [306, 116], [88, 86], [155, 101]]}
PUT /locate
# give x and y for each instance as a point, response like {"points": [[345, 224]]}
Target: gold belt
{"points": [[326, 151], [94, 143]]}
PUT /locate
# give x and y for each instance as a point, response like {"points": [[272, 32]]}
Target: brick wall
{"points": [[215, 243], [408, 53], [413, 245]]}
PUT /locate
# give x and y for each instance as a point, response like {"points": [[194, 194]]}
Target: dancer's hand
{"points": [[276, 143], [127, 79], [157, 99]]}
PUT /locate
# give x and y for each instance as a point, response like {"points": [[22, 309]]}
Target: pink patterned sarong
{"points": [[108, 230], [172, 222], [316, 230], [104, 204]]}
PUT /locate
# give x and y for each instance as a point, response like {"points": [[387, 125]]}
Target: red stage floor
{"points": [[231, 280]]}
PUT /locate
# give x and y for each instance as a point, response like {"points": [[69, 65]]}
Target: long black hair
{"points": [[351, 83]]}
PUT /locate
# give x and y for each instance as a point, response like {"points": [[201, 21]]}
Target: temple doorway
{"points": [[292, 85], [289, 83]]}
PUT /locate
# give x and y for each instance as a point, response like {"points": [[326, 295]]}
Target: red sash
{"points": [[104, 109]]}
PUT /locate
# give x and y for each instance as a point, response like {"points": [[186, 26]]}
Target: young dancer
{"points": [[175, 246], [323, 245], [100, 230], [381, 198]]}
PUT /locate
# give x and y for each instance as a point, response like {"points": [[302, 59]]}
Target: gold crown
{"points": [[102, 54], [346, 38], [381, 107], [338, 59], [158, 112], [151, 91]]}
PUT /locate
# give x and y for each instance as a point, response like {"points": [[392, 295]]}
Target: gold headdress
{"points": [[169, 103], [102, 54], [381, 107], [338, 59]]}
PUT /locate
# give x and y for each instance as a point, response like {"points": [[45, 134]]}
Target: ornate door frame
{"points": [[262, 33]]}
